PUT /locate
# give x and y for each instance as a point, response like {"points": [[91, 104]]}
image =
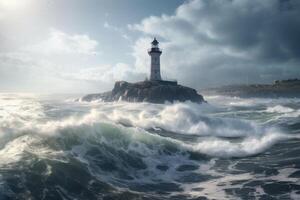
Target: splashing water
{"points": [[231, 148]]}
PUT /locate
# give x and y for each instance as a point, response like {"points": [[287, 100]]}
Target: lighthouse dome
{"points": [[154, 42]]}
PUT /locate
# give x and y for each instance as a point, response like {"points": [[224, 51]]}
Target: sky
{"points": [[83, 46]]}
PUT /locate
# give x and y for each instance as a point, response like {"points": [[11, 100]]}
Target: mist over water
{"points": [[231, 148]]}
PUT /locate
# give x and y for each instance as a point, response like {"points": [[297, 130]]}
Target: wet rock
{"points": [[148, 91]]}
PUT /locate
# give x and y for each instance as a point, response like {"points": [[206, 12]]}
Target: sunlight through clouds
{"points": [[14, 4], [246, 40], [59, 42]]}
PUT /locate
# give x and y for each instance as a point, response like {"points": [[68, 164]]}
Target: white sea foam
{"points": [[279, 109], [294, 195], [248, 146], [19, 117], [248, 102], [283, 112], [25, 127], [215, 188], [185, 118], [16, 149]]}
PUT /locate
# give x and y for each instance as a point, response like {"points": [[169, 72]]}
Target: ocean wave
{"points": [[90, 128], [247, 147], [183, 118], [121, 144], [279, 109], [127, 155], [248, 102], [283, 113], [130, 157]]}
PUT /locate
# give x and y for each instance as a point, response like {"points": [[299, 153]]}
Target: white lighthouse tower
{"points": [[155, 53]]}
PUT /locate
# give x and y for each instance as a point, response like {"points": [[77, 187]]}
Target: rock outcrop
{"points": [[148, 91], [280, 88]]}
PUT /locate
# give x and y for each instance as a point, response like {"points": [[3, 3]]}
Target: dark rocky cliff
{"points": [[148, 91]]}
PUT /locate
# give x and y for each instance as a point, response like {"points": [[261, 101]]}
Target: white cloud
{"points": [[111, 27], [62, 63], [59, 42], [106, 74], [42, 67], [204, 43], [142, 61], [117, 30], [14, 5], [221, 42]]}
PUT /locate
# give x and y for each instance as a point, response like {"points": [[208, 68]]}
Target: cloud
{"points": [[205, 43], [59, 42], [111, 27], [41, 67], [62, 63], [117, 30], [214, 42], [7, 6], [21, 72], [106, 74]]}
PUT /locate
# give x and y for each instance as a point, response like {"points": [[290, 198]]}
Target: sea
{"points": [[56, 147]]}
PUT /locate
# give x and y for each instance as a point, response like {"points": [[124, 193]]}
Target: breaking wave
{"points": [[125, 147], [106, 123], [279, 109]]}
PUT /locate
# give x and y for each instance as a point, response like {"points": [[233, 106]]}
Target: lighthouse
{"points": [[155, 53]]}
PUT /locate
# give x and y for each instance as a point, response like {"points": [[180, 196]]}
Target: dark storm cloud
{"points": [[230, 41], [273, 27]]}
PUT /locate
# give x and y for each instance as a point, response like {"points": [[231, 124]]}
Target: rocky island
{"points": [[154, 90], [147, 91], [289, 88]]}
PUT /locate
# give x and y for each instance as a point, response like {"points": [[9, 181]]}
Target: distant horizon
{"points": [[78, 94]]}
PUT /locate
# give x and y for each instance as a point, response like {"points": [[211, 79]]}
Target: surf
{"points": [[134, 149]]}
